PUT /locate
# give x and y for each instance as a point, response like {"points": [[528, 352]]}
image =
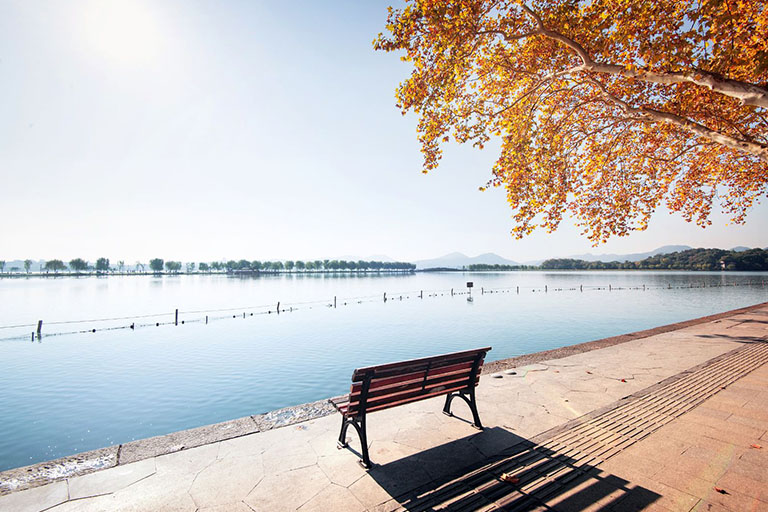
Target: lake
{"points": [[67, 393]]}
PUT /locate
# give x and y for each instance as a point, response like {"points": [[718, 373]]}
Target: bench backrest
{"points": [[388, 385]]}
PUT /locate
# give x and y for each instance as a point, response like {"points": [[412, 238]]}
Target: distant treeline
{"points": [[498, 267], [692, 259], [157, 265]]}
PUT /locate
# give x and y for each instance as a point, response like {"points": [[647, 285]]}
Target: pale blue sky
{"points": [[261, 130]]}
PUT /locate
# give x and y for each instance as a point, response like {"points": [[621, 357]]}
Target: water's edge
{"points": [[39, 474]]}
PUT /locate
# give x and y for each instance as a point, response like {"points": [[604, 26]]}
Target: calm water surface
{"points": [[69, 393]]}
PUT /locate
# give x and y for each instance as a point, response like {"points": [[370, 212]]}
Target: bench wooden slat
{"points": [[414, 399], [379, 383], [414, 384], [395, 396], [390, 369]]}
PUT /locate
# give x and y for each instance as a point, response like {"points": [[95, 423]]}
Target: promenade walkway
{"points": [[672, 421]]}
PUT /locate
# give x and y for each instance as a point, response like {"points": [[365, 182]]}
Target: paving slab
{"points": [[33, 500]]}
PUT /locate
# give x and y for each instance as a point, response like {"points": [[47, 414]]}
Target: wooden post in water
{"points": [[278, 307], [206, 319], [518, 290], [545, 288], [177, 317], [243, 314], [609, 287], [643, 287], [385, 296], [482, 291], [334, 301], [39, 329], [581, 287], [451, 292], [421, 294]]}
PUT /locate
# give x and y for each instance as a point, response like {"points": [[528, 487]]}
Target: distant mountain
{"points": [[630, 257], [740, 248], [458, 260]]}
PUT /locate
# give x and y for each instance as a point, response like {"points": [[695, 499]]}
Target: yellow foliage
{"points": [[605, 109]]}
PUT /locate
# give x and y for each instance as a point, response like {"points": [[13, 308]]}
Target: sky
{"points": [[202, 131]]}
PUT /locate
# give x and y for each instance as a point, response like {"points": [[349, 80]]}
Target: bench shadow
{"points": [[460, 476], [737, 339]]}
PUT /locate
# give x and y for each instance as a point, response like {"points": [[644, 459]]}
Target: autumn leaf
{"points": [[506, 477], [756, 446], [603, 111]]}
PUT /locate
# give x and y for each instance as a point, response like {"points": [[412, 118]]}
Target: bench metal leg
{"points": [[470, 401], [359, 425]]}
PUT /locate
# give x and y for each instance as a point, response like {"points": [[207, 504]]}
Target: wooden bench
{"points": [[381, 387]]}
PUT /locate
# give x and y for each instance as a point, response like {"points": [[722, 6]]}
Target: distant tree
{"points": [[27, 265], [216, 265], [55, 265], [156, 264], [289, 265], [310, 265], [277, 265], [190, 268], [120, 265], [325, 264], [78, 264], [300, 265], [14, 270], [102, 265], [203, 267], [173, 266], [139, 266], [2, 266], [256, 265], [244, 265], [230, 265]]}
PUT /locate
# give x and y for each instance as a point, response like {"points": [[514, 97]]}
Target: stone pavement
{"points": [[668, 422]]}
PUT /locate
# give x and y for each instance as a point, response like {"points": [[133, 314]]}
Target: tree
{"points": [[604, 110], [140, 266], [300, 265], [190, 268], [120, 265], [102, 265], [289, 265], [173, 266], [2, 265], [27, 265], [156, 264], [203, 267], [55, 265], [78, 264]]}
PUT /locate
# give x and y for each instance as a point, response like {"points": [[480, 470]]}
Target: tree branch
{"points": [[754, 148], [748, 94]]}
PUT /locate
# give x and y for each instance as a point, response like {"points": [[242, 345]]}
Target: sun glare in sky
{"points": [[123, 32]]}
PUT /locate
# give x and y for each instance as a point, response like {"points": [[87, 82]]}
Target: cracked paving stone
{"points": [[288, 490], [226, 480]]}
